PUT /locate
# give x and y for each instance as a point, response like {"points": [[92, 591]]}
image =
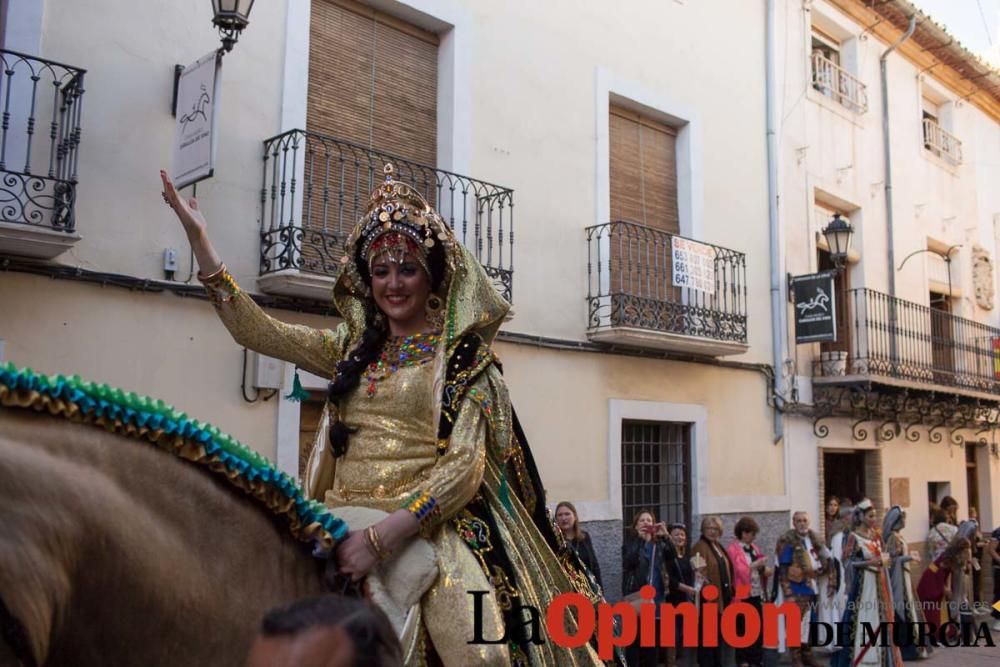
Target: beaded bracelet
{"points": [[220, 285], [421, 505]]}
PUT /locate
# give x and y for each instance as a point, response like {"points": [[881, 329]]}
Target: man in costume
{"points": [[420, 426], [802, 559]]}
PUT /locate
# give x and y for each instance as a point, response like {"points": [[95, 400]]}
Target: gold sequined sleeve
{"points": [[458, 472], [313, 350]]}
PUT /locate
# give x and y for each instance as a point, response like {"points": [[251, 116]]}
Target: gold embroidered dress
{"points": [[395, 454]]}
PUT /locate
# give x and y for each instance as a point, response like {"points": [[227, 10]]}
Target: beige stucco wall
{"points": [[160, 345], [562, 401], [129, 52], [534, 119]]}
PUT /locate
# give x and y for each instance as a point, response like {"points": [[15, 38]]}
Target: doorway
{"points": [[972, 477], [942, 339], [844, 475]]}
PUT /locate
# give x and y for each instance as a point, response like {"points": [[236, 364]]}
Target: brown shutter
{"points": [[372, 82], [643, 177], [643, 170], [355, 53]]}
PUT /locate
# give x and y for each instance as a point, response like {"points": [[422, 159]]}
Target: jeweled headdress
{"points": [[397, 221]]}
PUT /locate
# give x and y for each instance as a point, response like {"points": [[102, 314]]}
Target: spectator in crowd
{"points": [[869, 600], [906, 608], [833, 523], [750, 570], [993, 548], [935, 587], [940, 535], [960, 604], [680, 589], [718, 573], [950, 507], [977, 560], [645, 554], [802, 560], [577, 538], [326, 631]]}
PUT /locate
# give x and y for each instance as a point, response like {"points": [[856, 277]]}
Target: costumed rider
{"points": [[803, 559], [419, 427]]}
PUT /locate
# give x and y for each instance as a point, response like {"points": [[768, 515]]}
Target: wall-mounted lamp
{"points": [[231, 17], [838, 236]]}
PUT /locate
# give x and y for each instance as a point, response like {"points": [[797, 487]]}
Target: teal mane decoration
{"points": [[144, 418]]}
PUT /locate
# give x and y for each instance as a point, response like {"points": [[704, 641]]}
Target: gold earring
{"points": [[434, 311]]}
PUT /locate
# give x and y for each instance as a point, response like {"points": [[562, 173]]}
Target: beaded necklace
{"points": [[400, 352]]}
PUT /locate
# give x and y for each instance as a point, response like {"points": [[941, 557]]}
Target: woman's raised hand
{"points": [[187, 211], [194, 225]]}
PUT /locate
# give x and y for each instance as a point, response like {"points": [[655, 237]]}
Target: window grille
{"points": [[656, 470]]}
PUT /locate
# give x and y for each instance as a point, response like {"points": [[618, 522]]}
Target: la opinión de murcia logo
{"points": [[703, 625]]}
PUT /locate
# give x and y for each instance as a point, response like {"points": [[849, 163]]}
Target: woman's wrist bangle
{"points": [[372, 540], [213, 275], [219, 285]]}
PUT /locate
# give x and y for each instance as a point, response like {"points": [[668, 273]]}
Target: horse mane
{"points": [[155, 422]]}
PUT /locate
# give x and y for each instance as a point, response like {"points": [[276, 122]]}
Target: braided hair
{"points": [[373, 338]]}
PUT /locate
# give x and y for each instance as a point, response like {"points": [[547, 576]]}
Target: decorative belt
{"points": [[382, 491]]}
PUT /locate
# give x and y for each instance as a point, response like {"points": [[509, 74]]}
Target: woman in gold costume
{"points": [[421, 427]]}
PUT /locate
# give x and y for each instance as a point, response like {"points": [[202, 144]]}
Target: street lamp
{"points": [[230, 17], [838, 239]]}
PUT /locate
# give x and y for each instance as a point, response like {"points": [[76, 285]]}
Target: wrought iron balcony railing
{"points": [[834, 81], [315, 189], [941, 142], [645, 278], [893, 338], [39, 136]]}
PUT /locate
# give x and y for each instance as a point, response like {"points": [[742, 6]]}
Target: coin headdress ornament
{"points": [[398, 221]]}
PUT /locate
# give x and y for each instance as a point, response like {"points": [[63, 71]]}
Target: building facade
{"points": [[608, 166], [902, 406]]}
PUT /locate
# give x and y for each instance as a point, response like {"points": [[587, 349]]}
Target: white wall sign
{"points": [[195, 135], [693, 264]]}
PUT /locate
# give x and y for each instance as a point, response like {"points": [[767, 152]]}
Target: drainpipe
{"points": [[778, 309], [887, 151], [887, 157]]}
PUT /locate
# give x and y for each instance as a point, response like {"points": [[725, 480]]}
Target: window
{"points": [[372, 83], [372, 80], [936, 125], [832, 76], [931, 115], [656, 470], [825, 45], [643, 170], [942, 338]]}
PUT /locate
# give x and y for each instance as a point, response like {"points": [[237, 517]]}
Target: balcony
{"points": [[942, 143], [650, 288], [905, 344], [315, 189], [835, 82], [908, 370], [39, 137]]}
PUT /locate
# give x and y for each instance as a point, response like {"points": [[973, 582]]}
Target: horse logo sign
{"points": [[815, 312], [194, 137]]}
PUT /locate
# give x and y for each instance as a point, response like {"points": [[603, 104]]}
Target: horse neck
{"points": [[139, 543]]}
